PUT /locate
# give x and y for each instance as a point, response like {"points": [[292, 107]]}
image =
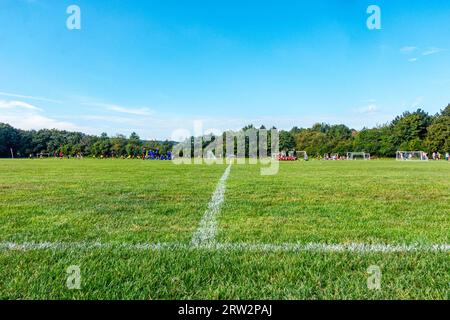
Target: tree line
{"points": [[50, 142], [411, 131]]}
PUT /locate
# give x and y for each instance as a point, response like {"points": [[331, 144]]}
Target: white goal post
{"points": [[302, 155], [358, 155], [411, 156]]}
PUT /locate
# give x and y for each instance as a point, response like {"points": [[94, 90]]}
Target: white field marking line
{"points": [[229, 247], [207, 228]]}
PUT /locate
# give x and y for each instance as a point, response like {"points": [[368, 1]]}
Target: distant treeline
{"points": [[45, 142], [412, 131]]}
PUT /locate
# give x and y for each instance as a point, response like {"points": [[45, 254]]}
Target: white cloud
{"points": [[163, 125], [15, 95], [121, 109], [371, 108], [29, 121], [138, 112], [111, 119], [428, 51], [17, 104], [408, 49], [431, 50], [416, 103], [24, 115]]}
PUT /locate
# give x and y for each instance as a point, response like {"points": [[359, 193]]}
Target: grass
{"points": [[339, 202], [94, 200], [131, 201]]}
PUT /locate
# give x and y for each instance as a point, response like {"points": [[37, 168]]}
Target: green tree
{"points": [[287, 140], [446, 111], [438, 136], [312, 141], [133, 147], [410, 129], [118, 144], [9, 140]]}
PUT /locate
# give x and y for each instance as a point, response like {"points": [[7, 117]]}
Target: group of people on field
{"points": [[155, 155], [438, 156], [292, 156], [56, 155], [334, 157], [145, 155]]}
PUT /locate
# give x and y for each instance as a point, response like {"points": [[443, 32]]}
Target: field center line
{"points": [[206, 233]]}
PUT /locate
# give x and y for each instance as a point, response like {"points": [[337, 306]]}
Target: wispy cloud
{"points": [[110, 119], [138, 112], [416, 103], [17, 104], [408, 49], [121, 109], [371, 108], [425, 52], [165, 125], [15, 95], [31, 121], [432, 50], [24, 115]]}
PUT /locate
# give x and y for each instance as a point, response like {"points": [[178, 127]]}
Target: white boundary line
{"points": [[207, 229], [239, 247], [205, 239]]}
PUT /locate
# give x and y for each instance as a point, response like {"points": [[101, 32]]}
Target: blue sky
{"points": [[157, 66]]}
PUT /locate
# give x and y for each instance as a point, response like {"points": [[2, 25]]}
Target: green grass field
{"points": [[128, 225]]}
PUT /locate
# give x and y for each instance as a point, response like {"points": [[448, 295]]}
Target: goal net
{"points": [[302, 155], [358, 156], [411, 156]]}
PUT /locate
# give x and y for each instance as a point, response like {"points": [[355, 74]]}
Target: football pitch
{"points": [[155, 230]]}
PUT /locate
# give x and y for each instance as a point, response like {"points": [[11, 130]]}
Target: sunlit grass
{"points": [[102, 200], [339, 202], [133, 201]]}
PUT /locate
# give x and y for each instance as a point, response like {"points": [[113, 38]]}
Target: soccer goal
{"points": [[411, 156], [358, 156], [302, 155]]}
